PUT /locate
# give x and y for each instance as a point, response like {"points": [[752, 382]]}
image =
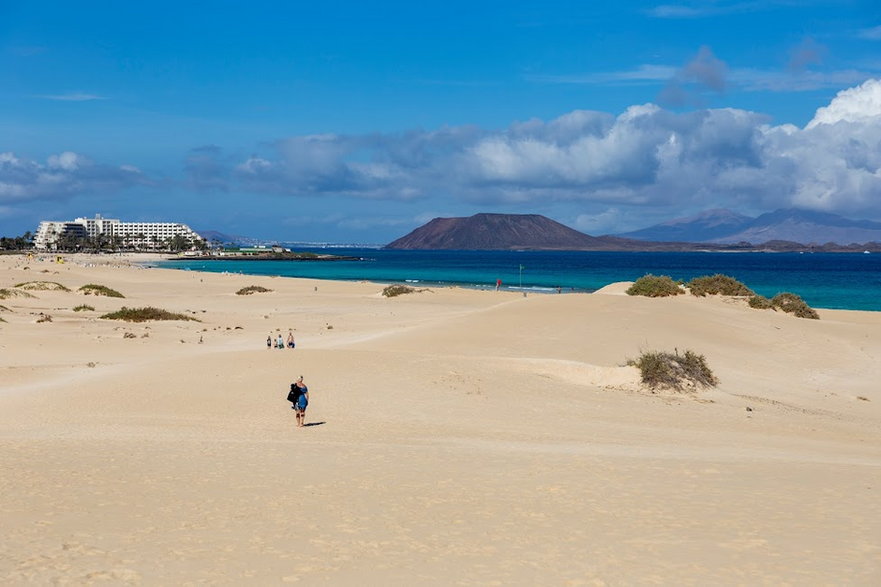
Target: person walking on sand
{"points": [[291, 343], [280, 342], [498, 284], [269, 341], [302, 402]]}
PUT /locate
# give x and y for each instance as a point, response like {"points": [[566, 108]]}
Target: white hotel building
{"points": [[140, 234]]}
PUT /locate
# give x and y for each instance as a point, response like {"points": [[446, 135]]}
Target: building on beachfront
{"points": [[143, 235]]}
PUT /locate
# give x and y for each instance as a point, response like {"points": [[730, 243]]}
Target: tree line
{"points": [[70, 243]]}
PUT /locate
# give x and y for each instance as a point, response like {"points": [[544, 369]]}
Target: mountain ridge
{"points": [[490, 231], [721, 226]]}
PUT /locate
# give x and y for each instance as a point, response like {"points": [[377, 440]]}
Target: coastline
{"points": [[458, 436], [824, 280]]}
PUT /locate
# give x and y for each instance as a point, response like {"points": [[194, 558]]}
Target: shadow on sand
{"points": [[313, 424]]}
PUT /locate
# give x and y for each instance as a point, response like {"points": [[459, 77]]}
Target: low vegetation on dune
{"points": [[654, 286], [4, 308], [42, 286], [659, 286], [100, 290], [14, 293], [145, 314], [760, 302], [785, 302], [83, 308], [717, 285], [398, 289], [672, 371], [793, 304], [251, 289]]}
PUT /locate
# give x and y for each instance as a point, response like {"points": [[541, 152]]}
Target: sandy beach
{"points": [[454, 437]]}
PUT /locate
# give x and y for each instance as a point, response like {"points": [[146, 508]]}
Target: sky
{"points": [[356, 122]]}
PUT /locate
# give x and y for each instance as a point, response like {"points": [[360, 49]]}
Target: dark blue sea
{"points": [[825, 280]]}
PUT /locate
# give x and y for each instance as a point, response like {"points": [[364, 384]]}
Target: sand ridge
{"points": [[458, 437]]}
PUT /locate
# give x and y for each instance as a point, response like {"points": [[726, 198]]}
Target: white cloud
{"points": [[862, 103], [63, 175], [646, 157]]}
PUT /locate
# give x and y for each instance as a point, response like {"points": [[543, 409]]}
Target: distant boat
{"points": [[865, 252]]}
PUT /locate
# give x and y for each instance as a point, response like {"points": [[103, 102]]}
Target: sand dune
{"points": [[456, 437]]}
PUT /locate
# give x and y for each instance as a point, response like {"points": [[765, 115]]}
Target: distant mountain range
{"points": [[716, 230], [794, 225]]}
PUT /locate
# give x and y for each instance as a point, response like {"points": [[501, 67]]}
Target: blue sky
{"points": [[354, 122]]}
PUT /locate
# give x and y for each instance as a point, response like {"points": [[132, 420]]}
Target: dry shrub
{"points": [[760, 302], [246, 291], [100, 290], [397, 290], [654, 286], [42, 286], [663, 370], [718, 285], [44, 318], [14, 293], [145, 314], [793, 304], [83, 308]]}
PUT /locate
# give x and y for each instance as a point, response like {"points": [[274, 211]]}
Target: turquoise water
{"points": [[825, 280]]}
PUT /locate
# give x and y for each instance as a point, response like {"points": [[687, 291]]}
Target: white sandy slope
{"points": [[457, 437]]}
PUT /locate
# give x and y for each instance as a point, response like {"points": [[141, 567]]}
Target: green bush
{"points": [[100, 290], [793, 304], [145, 314], [83, 307], [654, 286], [396, 290], [718, 285], [42, 286], [246, 291], [660, 370], [760, 302], [14, 293]]}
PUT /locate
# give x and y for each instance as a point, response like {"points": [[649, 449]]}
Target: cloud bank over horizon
{"points": [[646, 158]]}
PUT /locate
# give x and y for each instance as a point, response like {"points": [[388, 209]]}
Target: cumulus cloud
{"points": [[646, 157], [63, 175], [859, 104]]}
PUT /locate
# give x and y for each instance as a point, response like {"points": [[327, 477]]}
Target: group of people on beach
{"points": [[280, 342]]}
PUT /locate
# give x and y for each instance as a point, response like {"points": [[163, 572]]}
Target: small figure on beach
{"points": [[498, 284], [269, 341], [291, 343], [301, 401], [280, 342]]}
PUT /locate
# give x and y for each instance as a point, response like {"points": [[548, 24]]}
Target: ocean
{"points": [[850, 281]]}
